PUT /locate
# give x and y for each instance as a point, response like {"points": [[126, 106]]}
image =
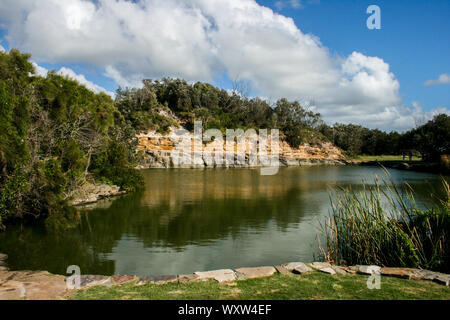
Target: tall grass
{"points": [[383, 225]]}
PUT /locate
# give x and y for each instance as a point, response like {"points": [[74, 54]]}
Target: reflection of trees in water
{"points": [[176, 210], [37, 249]]}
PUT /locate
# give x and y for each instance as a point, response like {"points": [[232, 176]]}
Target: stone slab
{"points": [[224, 275], [3, 257], [258, 272], [426, 275], [319, 265], [302, 268], [120, 279], [369, 270], [404, 273], [444, 280], [328, 270], [339, 270], [183, 278], [157, 279], [282, 270], [292, 265], [32, 285], [95, 280]]}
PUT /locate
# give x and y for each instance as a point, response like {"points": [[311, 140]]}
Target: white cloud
{"points": [[67, 72], [200, 39], [443, 79], [2, 49]]}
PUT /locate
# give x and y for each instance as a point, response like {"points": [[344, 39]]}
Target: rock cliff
{"points": [[166, 151]]}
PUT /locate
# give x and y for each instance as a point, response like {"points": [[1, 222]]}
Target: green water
{"points": [[196, 220]]}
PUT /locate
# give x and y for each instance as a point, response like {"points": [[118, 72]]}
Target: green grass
{"points": [[386, 158], [313, 286]]}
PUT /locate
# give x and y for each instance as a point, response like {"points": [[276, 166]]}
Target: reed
{"points": [[382, 225]]}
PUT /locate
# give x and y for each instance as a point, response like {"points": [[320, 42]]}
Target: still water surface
{"points": [[196, 220]]}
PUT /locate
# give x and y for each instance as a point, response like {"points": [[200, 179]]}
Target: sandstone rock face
{"points": [[179, 149], [250, 273]]}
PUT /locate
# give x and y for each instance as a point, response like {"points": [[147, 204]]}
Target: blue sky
{"points": [[316, 51], [414, 39]]}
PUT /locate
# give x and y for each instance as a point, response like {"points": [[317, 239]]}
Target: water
{"points": [[197, 220]]}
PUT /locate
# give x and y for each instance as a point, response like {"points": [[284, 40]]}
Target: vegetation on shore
{"points": [[383, 225], [430, 140], [314, 286], [55, 134]]}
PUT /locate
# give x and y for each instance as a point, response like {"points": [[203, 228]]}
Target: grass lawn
{"points": [[314, 286], [386, 158]]}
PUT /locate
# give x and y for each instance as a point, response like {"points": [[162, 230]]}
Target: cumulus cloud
{"points": [[2, 49], [67, 72], [201, 39], [443, 79]]}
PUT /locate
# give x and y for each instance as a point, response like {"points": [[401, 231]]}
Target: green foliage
{"points": [[50, 129], [146, 108], [431, 139], [382, 225]]}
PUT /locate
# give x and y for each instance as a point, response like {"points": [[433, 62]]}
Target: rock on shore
{"points": [[91, 193]]}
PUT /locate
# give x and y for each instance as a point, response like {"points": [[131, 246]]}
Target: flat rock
{"points": [[183, 278], [3, 257], [95, 280], [119, 279], [369, 269], [2, 268], [302, 268], [292, 265], [405, 273], [32, 285], [443, 279], [319, 265], [282, 270], [157, 279], [259, 272], [328, 270], [223, 275], [426, 275], [339, 270]]}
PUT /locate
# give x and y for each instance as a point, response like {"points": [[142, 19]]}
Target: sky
{"points": [[316, 51]]}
